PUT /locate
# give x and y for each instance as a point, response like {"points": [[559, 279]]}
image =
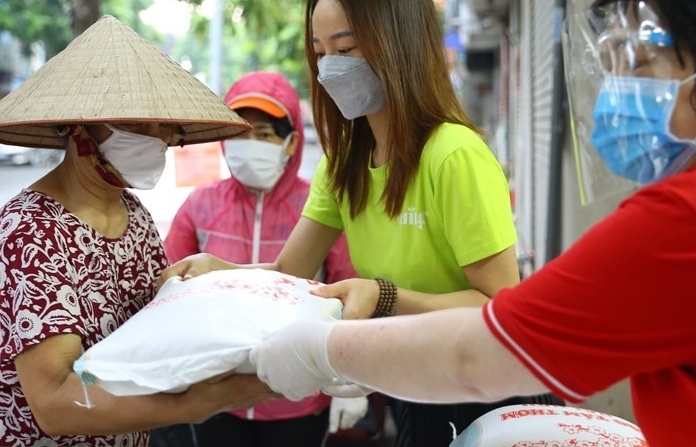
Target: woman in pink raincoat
{"points": [[246, 219]]}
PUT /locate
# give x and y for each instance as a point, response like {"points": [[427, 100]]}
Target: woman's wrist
{"points": [[386, 301]]}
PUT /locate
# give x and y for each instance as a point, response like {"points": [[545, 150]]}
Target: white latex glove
{"points": [[346, 412], [346, 390], [294, 361]]}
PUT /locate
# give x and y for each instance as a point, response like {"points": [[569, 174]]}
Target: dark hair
{"points": [[281, 126], [679, 17], [402, 42]]}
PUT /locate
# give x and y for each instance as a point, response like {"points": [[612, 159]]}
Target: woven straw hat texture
{"points": [[110, 74]]}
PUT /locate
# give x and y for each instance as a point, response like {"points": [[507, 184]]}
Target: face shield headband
{"points": [[617, 56]]}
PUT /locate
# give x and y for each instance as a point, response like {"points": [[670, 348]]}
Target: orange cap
{"points": [[264, 104]]}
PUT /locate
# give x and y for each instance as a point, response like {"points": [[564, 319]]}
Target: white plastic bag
{"points": [[199, 328], [529, 425]]}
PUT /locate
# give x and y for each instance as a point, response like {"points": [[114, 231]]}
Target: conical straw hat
{"points": [[111, 74]]}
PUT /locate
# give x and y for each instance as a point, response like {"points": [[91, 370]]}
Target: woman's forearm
{"points": [[444, 357], [410, 302]]}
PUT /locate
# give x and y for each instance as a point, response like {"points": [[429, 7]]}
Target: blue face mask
{"points": [[631, 130]]}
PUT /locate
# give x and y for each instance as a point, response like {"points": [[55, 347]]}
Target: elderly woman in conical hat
{"points": [[79, 254]]}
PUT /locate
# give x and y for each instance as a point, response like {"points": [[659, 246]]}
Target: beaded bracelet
{"points": [[387, 299]]}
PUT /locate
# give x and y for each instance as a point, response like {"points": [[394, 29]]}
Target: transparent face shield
{"points": [[619, 64]]}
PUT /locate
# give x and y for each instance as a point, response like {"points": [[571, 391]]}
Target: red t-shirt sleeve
{"points": [[616, 303]]}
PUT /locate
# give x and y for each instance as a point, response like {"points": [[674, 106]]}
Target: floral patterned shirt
{"points": [[59, 276]]}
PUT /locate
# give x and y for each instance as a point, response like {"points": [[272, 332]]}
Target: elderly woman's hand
{"points": [[193, 265], [227, 392]]}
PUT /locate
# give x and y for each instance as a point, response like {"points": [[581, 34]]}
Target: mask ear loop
{"points": [[286, 143], [688, 79], [67, 130]]}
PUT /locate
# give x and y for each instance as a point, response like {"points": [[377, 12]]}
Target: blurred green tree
{"points": [[258, 35], [57, 22], [37, 20]]}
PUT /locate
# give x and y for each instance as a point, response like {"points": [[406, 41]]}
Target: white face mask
{"points": [[257, 164], [140, 159]]}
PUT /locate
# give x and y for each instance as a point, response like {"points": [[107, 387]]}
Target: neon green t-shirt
{"points": [[456, 211]]}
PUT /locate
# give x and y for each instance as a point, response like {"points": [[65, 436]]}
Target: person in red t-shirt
{"points": [[618, 304], [79, 254]]}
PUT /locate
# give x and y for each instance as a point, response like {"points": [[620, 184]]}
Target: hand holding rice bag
{"points": [[196, 329]]}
